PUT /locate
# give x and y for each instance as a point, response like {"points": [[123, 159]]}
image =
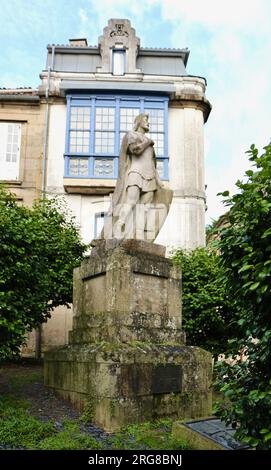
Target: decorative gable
{"points": [[117, 37]]}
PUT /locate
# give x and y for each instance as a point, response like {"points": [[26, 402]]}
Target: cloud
{"points": [[241, 15], [230, 45]]}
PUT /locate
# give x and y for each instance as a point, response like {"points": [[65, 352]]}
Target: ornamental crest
{"points": [[119, 31]]}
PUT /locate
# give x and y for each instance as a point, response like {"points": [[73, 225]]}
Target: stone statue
{"points": [[140, 202]]}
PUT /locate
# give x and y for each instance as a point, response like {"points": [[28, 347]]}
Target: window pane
{"points": [[80, 118], [118, 62], [156, 119], [12, 147], [158, 143], [103, 167], [99, 224], [78, 167], [127, 117], [105, 119], [122, 134], [104, 142], [79, 142]]}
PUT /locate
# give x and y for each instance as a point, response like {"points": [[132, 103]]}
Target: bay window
{"points": [[96, 126]]}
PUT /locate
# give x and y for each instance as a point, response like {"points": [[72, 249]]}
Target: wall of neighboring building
{"points": [[28, 111], [31, 118], [54, 332]]}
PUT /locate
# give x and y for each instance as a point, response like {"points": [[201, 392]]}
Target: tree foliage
{"points": [[245, 247], [209, 314], [39, 247]]}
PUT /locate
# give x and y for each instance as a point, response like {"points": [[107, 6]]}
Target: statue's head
{"points": [[142, 120]]}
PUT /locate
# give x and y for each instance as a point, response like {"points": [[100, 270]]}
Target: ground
{"points": [[32, 417]]}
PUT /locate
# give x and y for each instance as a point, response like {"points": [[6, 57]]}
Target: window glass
{"points": [[158, 143], [118, 62], [79, 142], [104, 167], [78, 166], [10, 140], [104, 142], [156, 120], [97, 126], [99, 224], [105, 119], [127, 117], [80, 118]]}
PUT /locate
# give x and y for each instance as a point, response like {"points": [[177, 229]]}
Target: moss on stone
{"points": [[89, 412]]}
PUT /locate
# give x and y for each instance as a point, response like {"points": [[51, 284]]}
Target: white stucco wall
{"points": [[84, 207], [56, 148], [185, 224]]}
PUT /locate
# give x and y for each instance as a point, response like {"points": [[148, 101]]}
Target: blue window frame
{"points": [[96, 125]]}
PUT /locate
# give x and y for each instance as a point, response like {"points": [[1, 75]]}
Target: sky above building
{"points": [[229, 43]]}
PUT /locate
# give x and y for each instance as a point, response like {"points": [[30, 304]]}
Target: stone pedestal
{"points": [[126, 360]]}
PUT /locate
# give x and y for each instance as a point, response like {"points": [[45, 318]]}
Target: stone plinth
{"points": [[126, 360]]}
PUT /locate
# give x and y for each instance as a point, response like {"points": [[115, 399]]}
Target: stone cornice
{"points": [[22, 99], [185, 100]]}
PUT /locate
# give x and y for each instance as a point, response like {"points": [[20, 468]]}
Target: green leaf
{"points": [[266, 233], [264, 431], [254, 286], [245, 268]]}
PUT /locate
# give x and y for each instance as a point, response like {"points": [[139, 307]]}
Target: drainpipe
{"points": [[45, 143], [38, 333]]}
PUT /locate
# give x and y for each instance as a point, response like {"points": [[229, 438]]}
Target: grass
{"points": [[153, 436], [20, 429], [20, 380], [71, 438]]}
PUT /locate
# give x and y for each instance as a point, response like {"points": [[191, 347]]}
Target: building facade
{"points": [[87, 100], [21, 142], [95, 93]]}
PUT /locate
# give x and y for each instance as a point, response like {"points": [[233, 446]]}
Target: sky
{"points": [[229, 43]]}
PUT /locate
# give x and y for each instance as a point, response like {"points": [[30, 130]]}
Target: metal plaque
{"points": [[167, 379]]}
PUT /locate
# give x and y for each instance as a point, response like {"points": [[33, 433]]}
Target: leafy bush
{"points": [[209, 313], [39, 249], [245, 247]]}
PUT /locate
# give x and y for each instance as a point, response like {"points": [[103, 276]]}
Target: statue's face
{"points": [[144, 123]]}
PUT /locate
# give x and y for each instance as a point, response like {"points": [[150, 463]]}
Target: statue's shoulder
{"points": [[132, 136]]}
